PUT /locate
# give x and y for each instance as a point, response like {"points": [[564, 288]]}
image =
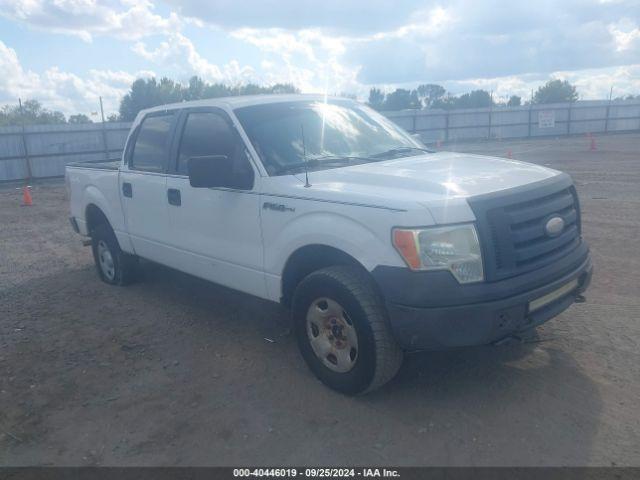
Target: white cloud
{"points": [[309, 58], [128, 19], [596, 83], [341, 47], [592, 84], [626, 34], [316, 60], [178, 55], [286, 43], [59, 90], [332, 15], [422, 23], [460, 42]]}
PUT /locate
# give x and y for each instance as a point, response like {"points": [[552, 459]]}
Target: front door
{"points": [[217, 230]]}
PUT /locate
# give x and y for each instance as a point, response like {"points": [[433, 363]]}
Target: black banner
{"points": [[405, 473]]}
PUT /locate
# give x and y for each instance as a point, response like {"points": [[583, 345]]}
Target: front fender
{"points": [[368, 245]]}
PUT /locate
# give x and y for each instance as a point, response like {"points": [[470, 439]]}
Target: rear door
{"points": [[143, 185], [217, 230]]}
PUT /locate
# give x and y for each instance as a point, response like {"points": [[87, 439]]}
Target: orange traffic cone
{"points": [[509, 154], [593, 146], [27, 201]]}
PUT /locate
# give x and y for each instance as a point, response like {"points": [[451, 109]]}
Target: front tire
{"points": [[341, 325], [114, 266]]}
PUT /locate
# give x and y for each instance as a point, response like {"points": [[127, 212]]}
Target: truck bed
{"points": [[104, 165], [95, 183]]}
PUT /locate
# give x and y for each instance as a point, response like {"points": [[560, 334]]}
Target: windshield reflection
{"points": [[327, 134]]}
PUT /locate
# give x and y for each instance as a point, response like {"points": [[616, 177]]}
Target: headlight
{"points": [[455, 248]]}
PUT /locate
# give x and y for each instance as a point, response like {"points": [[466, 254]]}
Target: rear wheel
{"points": [[342, 330], [114, 266]]}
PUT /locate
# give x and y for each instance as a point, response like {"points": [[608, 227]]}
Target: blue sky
{"points": [[67, 53]]}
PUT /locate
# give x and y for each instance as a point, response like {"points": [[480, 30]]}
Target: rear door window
{"points": [[151, 148]]}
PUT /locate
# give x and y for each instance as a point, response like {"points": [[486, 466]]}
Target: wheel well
{"points": [[94, 217], [308, 259]]}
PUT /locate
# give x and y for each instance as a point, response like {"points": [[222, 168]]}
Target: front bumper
{"points": [[479, 323]]}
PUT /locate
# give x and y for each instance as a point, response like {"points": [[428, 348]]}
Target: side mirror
{"points": [[209, 171]]}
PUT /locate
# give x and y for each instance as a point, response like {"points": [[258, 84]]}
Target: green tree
{"points": [[32, 114], [215, 90], [376, 98], [402, 99], [113, 118], [447, 102], [170, 91], [628, 97], [195, 89], [514, 101], [556, 91], [146, 93], [474, 99], [79, 118], [430, 93], [282, 88]]}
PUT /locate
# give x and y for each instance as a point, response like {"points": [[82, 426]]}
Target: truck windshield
{"points": [[324, 134]]}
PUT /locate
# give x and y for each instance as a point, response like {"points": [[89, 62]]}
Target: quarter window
{"points": [[152, 144]]}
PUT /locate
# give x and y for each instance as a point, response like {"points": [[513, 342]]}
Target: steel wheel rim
{"points": [[106, 260], [332, 335]]}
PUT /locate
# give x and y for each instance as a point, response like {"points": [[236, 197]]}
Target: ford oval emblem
{"points": [[554, 226]]}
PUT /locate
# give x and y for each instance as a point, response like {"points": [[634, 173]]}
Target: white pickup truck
{"points": [[376, 244]]}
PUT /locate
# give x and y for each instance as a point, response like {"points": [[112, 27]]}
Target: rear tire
{"points": [[342, 329], [114, 266]]}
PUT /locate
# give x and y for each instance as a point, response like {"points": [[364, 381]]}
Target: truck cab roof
{"points": [[240, 101]]}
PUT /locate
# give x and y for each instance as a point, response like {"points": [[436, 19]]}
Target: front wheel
{"points": [[341, 325]]}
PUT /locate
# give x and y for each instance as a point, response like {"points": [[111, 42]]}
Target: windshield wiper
{"points": [[296, 166], [400, 150], [323, 160]]}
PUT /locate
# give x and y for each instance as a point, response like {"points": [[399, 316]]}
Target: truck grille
{"points": [[512, 227]]}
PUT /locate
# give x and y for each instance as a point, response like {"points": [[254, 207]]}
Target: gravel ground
{"points": [[174, 370]]}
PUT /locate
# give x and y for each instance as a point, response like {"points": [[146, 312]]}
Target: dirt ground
{"points": [[174, 370]]}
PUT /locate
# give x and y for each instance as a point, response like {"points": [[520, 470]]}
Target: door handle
{"points": [[173, 195], [127, 189]]}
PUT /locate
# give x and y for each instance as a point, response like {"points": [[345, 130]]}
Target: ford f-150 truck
{"points": [[376, 244]]}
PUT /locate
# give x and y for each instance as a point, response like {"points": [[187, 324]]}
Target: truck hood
{"points": [[431, 176], [438, 182]]}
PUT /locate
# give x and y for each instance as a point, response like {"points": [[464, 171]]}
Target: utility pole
{"points": [[104, 133], [606, 121], [530, 106], [24, 143], [101, 110], [490, 114]]}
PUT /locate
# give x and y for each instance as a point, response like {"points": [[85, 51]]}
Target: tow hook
{"points": [[580, 298]]}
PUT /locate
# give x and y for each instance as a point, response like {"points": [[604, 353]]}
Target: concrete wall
{"points": [[50, 147]]}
